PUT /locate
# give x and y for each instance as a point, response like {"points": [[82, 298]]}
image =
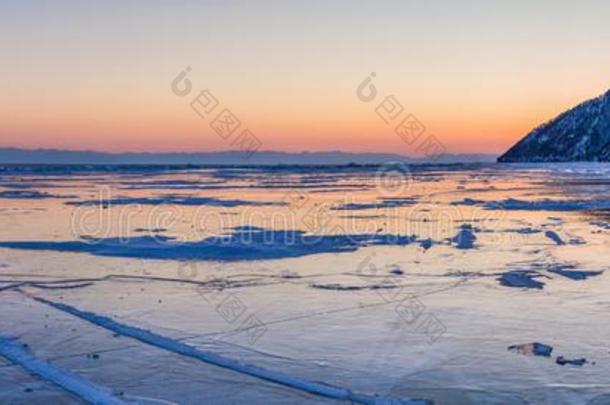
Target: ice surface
{"points": [[402, 294], [177, 347]]}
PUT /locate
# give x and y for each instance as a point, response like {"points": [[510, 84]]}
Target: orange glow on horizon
{"points": [[97, 77]]}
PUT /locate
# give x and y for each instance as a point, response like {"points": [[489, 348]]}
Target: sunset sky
{"points": [[479, 74]]}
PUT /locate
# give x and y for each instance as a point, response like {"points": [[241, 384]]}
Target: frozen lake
{"points": [[227, 285]]}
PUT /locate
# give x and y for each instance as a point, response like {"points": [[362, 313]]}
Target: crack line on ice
{"points": [[239, 330], [70, 283], [81, 387], [172, 345], [334, 311]]}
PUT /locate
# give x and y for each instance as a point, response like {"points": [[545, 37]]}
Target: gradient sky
{"points": [[479, 74]]}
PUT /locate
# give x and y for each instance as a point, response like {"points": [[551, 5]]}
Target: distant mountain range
{"points": [[53, 156], [579, 134]]}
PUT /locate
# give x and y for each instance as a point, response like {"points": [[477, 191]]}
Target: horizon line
{"points": [[219, 151]]}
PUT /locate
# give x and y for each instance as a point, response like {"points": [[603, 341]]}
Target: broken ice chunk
{"points": [[521, 279], [562, 361], [554, 237], [465, 237], [532, 349]]}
